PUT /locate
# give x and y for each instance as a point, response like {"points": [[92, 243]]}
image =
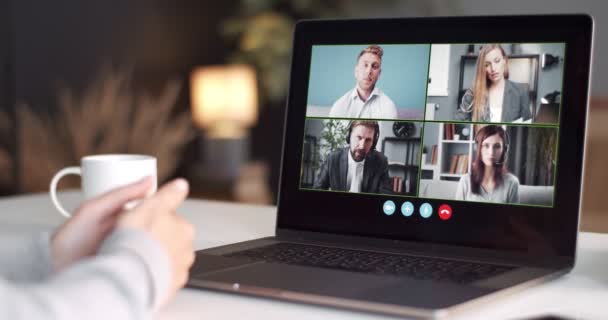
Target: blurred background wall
{"points": [[53, 54]]}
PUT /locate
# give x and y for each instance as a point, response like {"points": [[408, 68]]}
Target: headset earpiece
{"points": [[376, 136]]}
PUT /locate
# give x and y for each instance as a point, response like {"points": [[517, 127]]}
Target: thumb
{"points": [[113, 200], [169, 197]]}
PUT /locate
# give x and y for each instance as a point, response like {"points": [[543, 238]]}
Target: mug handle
{"points": [[53, 191]]}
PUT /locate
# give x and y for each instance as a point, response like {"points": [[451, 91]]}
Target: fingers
{"points": [[112, 201], [169, 197], [187, 228]]}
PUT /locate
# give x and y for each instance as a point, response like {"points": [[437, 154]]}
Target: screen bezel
{"points": [[534, 231]]}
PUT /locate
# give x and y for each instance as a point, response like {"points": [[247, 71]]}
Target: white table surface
{"points": [[583, 293]]}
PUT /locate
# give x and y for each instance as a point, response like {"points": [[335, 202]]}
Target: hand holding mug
{"points": [[81, 235], [110, 183], [157, 216], [102, 173]]}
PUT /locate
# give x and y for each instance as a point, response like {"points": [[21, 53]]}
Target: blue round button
{"points": [[388, 207], [407, 208], [426, 210]]}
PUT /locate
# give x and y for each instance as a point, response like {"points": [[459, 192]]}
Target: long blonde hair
{"points": [[481, 81]]}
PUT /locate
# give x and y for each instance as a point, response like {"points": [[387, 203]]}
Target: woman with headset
{"points": [[493, 97], [489, 180]]}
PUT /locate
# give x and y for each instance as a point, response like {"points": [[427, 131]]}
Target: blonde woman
{"points": [[494, 98]]}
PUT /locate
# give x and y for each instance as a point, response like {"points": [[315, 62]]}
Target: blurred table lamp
{"points": [[551, 98], [224, 104]]}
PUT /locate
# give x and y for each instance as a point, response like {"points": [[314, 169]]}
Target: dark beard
{"points": [[352, 154]]}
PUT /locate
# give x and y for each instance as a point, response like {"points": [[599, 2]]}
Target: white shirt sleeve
{"points": [[462, 188], [391, 110], [340, 108], [337, 110], [25, 257], [128, 279]]}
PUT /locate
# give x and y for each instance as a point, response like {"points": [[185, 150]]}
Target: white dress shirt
{"points": [[354, 176], [377, 106]]}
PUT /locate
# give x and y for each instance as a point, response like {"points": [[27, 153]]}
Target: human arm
{"points": [[25, 257], [462, 188], [122, 282], [390, 110], [32, 257], [525, 112], [513, 192], [132, 272], [339, 109], [334, 112], [385, 186]]}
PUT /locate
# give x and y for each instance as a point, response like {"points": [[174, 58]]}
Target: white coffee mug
{"points": [[102, 173]]}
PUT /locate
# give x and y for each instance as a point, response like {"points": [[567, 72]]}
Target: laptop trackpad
{"points": [[349, 285]]}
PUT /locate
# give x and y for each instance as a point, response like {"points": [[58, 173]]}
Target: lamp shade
{"points": [[552, 97], [224, 99]]}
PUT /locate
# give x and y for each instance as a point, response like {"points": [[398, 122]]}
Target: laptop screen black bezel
{"points": [[532, 231]]}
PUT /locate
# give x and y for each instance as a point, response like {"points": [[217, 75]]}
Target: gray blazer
{"points": [[515, 104], [333, 173]]}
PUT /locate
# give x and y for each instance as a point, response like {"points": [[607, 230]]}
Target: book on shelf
{"points": [[415, 155], [465, 166], [453, 163], [434, 154], [449, 131], [397, 183], [459, 164]]}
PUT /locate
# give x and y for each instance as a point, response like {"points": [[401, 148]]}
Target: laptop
{"points": [[417, 179]]}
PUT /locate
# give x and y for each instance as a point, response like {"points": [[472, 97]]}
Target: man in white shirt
{"points": [[366, 100], [102, 263], [358, 167]]}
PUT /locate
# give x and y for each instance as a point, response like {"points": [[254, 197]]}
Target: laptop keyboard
{"points": [[373, 262]]}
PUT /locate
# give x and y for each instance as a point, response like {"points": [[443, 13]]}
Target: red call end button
{"points": [[445, 212]]}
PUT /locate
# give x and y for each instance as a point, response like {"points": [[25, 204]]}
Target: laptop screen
{"points": [[460, 122], [432, 137]]}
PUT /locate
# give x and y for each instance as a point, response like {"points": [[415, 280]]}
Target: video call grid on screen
{"points": [[415, 105]]}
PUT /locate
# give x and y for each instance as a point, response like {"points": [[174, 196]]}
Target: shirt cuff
{"points": [[153, 257]]}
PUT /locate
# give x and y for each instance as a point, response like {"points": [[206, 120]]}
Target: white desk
{"points": [[581, 294]]}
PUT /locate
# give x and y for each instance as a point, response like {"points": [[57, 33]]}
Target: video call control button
{"points": [[426, 210], [388, 207], [445, 212], [407, 208]]}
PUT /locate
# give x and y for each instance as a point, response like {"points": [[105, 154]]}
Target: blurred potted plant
{"points": [[108, 117], [333, 137], [261, 34]]}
